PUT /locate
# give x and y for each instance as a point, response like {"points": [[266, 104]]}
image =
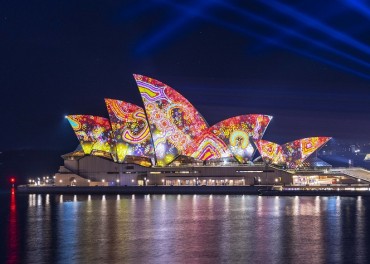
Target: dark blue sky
{"points": [[306, 63]]}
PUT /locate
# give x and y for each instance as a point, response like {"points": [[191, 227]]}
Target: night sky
{"points": [[305, 63]]}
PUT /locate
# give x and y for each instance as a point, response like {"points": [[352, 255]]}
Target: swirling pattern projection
{"points": [[174, 122], [207, 147], [291, 154], [238, 131], [93, 132], [130, 130]]}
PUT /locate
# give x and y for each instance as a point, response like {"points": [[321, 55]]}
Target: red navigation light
{"points": [[12, 180]]}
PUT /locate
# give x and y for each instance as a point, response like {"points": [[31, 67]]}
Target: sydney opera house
{"points": [[168, 142]]}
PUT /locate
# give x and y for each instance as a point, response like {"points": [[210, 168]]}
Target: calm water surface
{"points": [[183, 229]]}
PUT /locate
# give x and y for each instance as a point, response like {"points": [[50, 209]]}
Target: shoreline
{"points": [[263, 190], [253, 190]]}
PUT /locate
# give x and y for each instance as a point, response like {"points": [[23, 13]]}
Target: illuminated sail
{"points": [[270, 151], [296, 152], [130, 130], [93, 132], [174, 122], [291, 154], [239, 131]]}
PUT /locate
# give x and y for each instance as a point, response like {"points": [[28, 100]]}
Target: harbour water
{"points": [[183, 229]]}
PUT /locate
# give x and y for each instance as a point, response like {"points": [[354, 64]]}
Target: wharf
{"points": [[316, 191], [263, 190], [252, 190]]}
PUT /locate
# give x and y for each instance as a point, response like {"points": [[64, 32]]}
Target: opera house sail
{"points": [[291, 154], [174, 122], [93, 133], [238, 133], [130, 130]]}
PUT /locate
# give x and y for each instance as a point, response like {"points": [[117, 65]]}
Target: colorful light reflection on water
{"points": [[184, 229]]}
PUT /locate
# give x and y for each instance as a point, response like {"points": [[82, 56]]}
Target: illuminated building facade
{"points": [[170, 133]]}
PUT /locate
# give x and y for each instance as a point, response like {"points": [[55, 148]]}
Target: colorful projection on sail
{"points": [[238, 132], [174, 122], [270, 151], [93, 132], [208, 146], [130, 130], [291, 154]]}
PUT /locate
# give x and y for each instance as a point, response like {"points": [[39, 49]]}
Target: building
{"points": [[168, 142]]}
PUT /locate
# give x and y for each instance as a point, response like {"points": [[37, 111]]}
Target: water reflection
{"points": [[360, 229], [13, 231], [186, 229]]}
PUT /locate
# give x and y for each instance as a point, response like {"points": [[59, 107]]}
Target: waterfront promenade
{"points": [[144, 189], [265, 190]]}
